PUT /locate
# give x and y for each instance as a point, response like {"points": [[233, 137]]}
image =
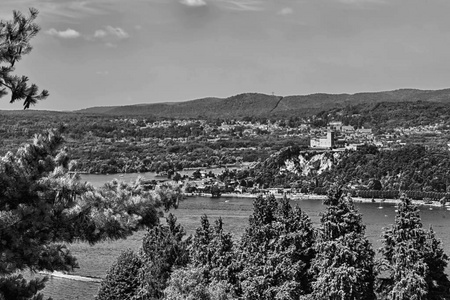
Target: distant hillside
{"points": [[236, 106], [97, 109], [258, 105], [390, 114]]}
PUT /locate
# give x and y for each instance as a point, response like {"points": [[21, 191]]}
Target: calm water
{"points": [[95, 260]]}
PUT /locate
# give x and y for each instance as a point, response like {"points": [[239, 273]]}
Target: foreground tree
{"points": [[276, 252], [15, 36], [413, 259], [213, 250], [344, 264], [211, 272], [122, 280], [163, 250], [43, 206], [189, 284]]}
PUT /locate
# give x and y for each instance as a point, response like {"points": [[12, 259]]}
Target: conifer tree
{"points": [[122, 280], [163, 250], [276, 251], [15, 37], [211, 273], [344, 264], [213, 250], [43, 207], [436, 260], [188, 284], [413, 259]]}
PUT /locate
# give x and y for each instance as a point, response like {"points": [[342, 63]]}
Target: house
{"points": [[323, 142]]}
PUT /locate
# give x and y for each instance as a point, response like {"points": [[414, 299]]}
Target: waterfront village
{"points": [[334, 135], [231, 180]]}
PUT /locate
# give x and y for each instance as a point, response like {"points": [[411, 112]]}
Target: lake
{"points": [[96, 260]]}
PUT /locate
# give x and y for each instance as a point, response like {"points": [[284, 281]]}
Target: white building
{"points": [[323, 142]]}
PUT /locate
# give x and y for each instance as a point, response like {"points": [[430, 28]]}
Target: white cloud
{"points": [[244, 5], [117, 32], [66, 34], [100, 33], [193, 2], [111, 33], [286, 11]]}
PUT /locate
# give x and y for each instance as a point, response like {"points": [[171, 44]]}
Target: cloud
{"points": [[193, 2], [100, 33], [66, 34], [362, 2], [286, 11], [243, 5], [111, 32], [117, 32]]}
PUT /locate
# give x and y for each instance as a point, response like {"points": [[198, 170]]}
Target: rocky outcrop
{"points": [[311, 163]]}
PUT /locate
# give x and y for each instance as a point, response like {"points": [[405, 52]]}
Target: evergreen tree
{"points": [[343, 267], [15, 37], [43, 207], [163, 250], [188, 284], [276, 251], [122, 280], [412, 258], [436, 260], [213, 250], [211, 273]]}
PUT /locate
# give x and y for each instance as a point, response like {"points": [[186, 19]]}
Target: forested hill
{"points": [[260, 105], [389, 114], [413, 167], [237, 106]]}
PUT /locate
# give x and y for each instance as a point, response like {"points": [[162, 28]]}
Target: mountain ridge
{"points": [[259, 105]]}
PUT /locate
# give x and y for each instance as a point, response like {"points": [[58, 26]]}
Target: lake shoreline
{"points": [[300, 197]]}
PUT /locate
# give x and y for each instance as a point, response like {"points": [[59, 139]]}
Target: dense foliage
{"points": [[344, 264], [15, 37], [211, 273], [281, 256], [388, 115], [43, 206], [412, 167], [123, 277], [413, 259], [276, 251], [163, 249], [102, 144]]}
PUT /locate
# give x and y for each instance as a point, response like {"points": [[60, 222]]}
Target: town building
{"points": [[323, 142]]}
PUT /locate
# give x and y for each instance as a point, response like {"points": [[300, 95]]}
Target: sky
{"points": [[123, 52]]}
